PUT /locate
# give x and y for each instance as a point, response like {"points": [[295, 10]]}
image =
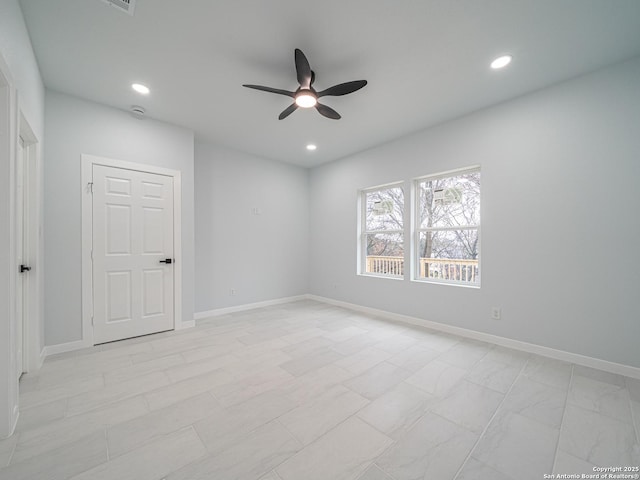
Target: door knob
{"points": [[24, 268], [167, 261]]}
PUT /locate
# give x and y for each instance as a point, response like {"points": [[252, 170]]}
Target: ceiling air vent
{"points": [[138, 111], [125, 5]]}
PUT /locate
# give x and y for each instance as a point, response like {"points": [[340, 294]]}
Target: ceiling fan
{"points": [[306, 96]]}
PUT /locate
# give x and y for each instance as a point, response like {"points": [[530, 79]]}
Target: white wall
{"points": [[262, 257], [75, 127], [18, 63], [15, 45], [560, 222]]}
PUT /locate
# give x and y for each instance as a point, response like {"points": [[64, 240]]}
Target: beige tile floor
{"points": [[305, 391]]}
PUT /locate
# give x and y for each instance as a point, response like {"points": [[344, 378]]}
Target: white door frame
{"points": [[8, 147], [87, 163], [13, 125]]}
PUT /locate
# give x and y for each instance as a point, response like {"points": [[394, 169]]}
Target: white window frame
{"points": [[363, 232], [417, 229]]}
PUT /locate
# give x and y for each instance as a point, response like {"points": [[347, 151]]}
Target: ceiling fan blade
{"points": [[327, 111], [272, 90], [343, 88], [288, 111], [303, 69]]}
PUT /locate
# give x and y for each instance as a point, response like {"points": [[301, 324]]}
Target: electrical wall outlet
{"points": [[496, 313], [232, 292]]}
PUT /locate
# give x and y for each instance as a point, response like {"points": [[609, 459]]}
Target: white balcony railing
{"points": [[443, 268]]}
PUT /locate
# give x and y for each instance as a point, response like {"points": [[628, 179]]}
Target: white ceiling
{"points": [[426, 61]]}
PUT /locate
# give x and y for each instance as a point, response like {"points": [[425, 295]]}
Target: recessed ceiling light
{"points": [[311, 146], [138, 87], [501, 62]]}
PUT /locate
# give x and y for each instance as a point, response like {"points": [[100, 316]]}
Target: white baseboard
{"points": [[570, 357], [63, 348], [248, 306], [80, 344], [185, 325], [575, 358]]}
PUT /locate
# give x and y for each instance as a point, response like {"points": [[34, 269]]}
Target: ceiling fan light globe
{"points": [[306, 99]]}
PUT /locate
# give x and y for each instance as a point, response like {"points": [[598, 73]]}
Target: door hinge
{"points": [[92, 321], [90, 187]]}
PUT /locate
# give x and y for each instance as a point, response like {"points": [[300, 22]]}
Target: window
{"points": [[448, 227], [382, 231]]}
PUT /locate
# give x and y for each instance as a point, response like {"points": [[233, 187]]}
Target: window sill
{"points": [[449, 284], [387, 277]]}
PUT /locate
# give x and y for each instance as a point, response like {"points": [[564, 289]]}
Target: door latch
{"points": [[167, 261], [24, 268]]}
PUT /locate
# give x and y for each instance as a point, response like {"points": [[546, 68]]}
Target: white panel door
{"points": [[132, 253], [20, 253]]}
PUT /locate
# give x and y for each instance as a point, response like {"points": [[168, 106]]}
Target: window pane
{"points": [[449, 255], [384, 209], [385, 254], [451, 201]]}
